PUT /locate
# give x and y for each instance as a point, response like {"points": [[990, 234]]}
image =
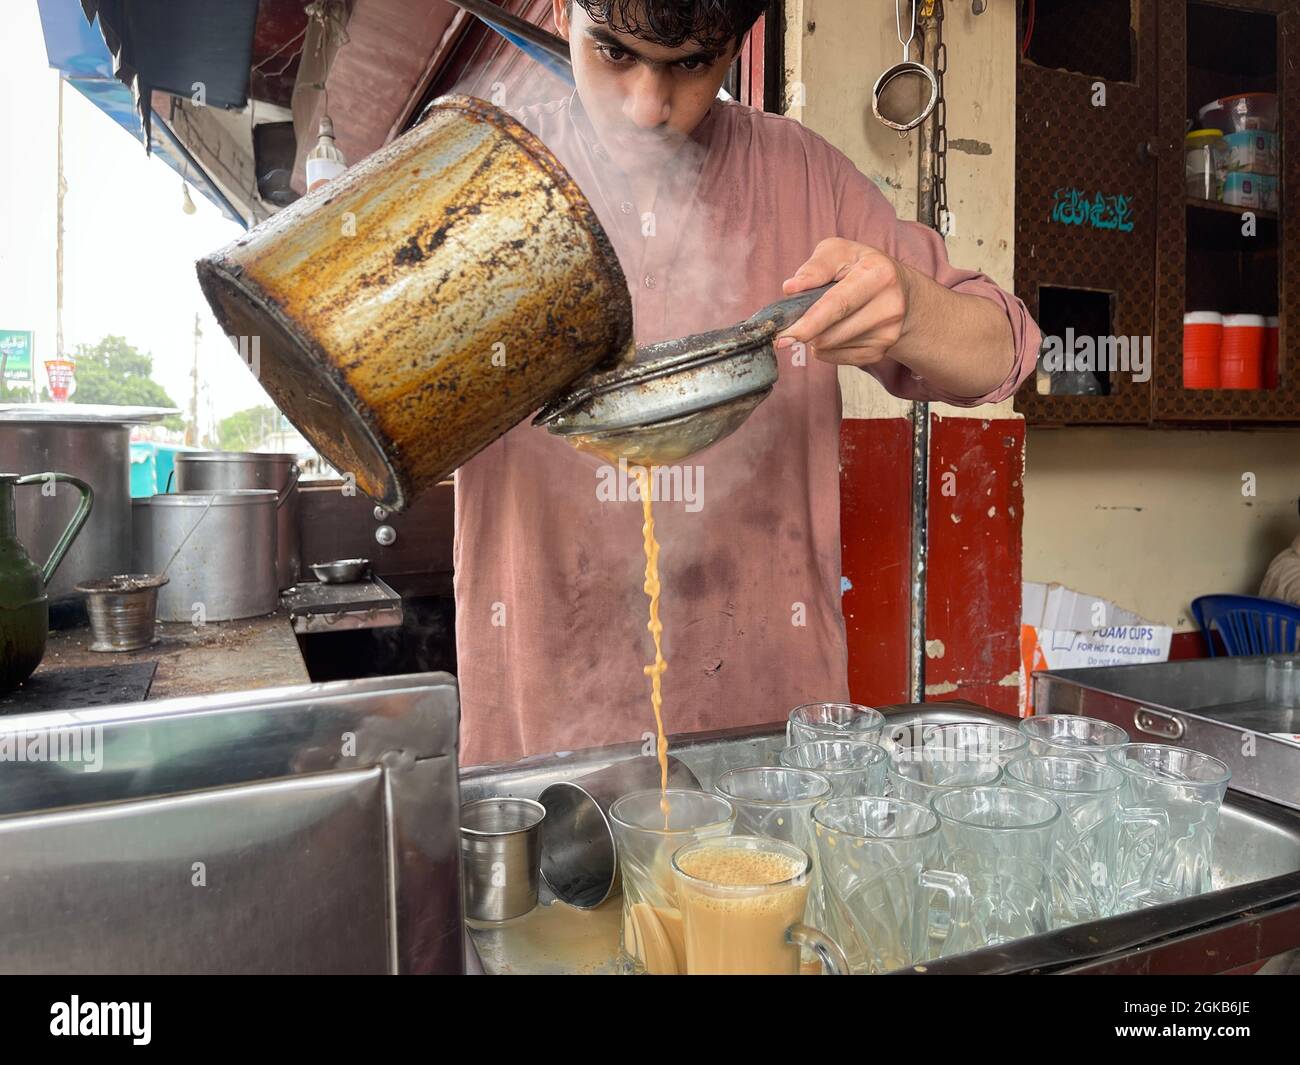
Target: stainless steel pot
{"points": [[219, 471], [218, 549], [93, 444]]}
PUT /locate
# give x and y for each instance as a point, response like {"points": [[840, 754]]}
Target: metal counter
{"points": [[308, 829], [1253, 914]]}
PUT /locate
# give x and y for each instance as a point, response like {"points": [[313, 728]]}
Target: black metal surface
{"points": [[75, 687]]}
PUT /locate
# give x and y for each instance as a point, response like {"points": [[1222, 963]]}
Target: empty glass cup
{"points": [[1086, 868], [919, 774], [1071, 736], [650, 940], [1188, 787], [1002, 841], [852, 767], [742, 903], [877, 857], [833, 721], [971, 741]]}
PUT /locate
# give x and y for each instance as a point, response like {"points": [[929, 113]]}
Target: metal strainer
{"points": [[907, 92], [677, 397]]}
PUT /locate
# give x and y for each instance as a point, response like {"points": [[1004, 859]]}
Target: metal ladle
{"points": [[906, 93]]}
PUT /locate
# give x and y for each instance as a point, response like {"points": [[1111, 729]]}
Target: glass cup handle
{"points": [[1156, 820], [834, 963], [960, 905]]}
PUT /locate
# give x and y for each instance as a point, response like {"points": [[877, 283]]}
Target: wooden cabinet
{"points": [[1109, 245]]}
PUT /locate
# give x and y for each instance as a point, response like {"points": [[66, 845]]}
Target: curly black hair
{"points": [[671, 23]]}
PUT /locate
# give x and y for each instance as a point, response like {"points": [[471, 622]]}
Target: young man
{"points": [[715, 211]]}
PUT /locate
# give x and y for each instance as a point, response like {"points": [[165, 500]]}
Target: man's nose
{"points": [[647, 105]]}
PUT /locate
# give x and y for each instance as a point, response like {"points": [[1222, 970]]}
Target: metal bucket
{"points": [[412, 310], [218, 549], [219, 471]]}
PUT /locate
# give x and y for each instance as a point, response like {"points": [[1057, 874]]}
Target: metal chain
{"points": [[940, 220]]}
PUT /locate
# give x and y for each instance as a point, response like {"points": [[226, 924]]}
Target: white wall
{"points": [[1152, 518]]}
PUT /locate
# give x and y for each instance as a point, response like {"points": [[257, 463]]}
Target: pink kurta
{"points": [[550, 610]]}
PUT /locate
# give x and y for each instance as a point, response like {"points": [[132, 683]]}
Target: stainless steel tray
{"points": [[1215, 705], [1254, 913]]}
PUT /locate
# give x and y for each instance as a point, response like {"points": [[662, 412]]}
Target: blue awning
{"points": [[77, 50]]}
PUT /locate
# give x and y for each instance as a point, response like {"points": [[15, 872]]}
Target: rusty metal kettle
{"points": [[24, 604]]}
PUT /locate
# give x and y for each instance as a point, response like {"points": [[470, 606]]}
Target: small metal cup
{"points": [[579, 856], [500, 846], [122, 610]]}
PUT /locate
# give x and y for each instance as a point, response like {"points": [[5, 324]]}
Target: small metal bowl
{"points": [[344, 571], [122, 610]]}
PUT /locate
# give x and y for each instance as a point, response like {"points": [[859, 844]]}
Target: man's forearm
{"points": [[958, 343]]}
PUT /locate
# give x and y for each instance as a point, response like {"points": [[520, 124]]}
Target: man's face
{"points": [[643, 99]]}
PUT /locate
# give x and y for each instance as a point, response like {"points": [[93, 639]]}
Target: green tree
{"points": [[244, 430], [114, 371]]}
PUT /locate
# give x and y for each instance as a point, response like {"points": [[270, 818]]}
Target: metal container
{"points": [[500, 849], [219, 471], [1218, 706], [218, 549], [418, 306], [1251, 914], [122, 610], [579, 855], [171, 823], [92, 443]]}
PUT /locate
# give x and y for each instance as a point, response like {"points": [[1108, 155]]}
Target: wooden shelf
{"points": [[1230, 208]]}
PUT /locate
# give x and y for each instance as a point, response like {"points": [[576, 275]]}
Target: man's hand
{"points": [[863, 316], [961, 344]]}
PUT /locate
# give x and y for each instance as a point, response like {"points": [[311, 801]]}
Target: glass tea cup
{"points": [[1002, 840], [1187, 788], [742, 901], [833, 721], [650, 939], [920, 774], [878, 859], [1071, 736], [853, 767], [1087, 865]]}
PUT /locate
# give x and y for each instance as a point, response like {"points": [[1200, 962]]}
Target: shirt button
{"points": [[650, 281], [625, 206]]}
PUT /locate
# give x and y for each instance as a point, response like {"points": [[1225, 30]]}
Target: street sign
{"points": [[16, 354]]}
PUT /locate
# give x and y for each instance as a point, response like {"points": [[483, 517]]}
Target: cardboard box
{"points": [[1064, 629]]}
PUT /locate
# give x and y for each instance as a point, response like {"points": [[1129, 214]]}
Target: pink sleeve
{"points": [[867, 217]]}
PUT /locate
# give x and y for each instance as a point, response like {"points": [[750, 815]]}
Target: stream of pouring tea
{"points": [[655, 670]]}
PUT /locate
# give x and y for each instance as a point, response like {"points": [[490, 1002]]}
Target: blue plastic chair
{"points": [[1248, 624]]}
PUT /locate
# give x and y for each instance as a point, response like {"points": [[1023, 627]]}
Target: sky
{"points": [[129, 249]]}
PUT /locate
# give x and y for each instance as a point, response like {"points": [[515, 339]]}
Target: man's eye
{"points": [[693, 66], [611, 54]]}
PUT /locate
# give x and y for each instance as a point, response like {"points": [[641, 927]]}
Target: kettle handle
{"points": [[74, 526]]}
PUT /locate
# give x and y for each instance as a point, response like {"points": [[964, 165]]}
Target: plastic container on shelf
{"points": [[1206, 163], [1202, 339], [1270, 373], [1250, 190], [1244, 111], [1241, 360], [1254, 151]]}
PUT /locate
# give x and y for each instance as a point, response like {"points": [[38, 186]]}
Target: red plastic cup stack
{"points": [[1202, 339], [1241, 362]]}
